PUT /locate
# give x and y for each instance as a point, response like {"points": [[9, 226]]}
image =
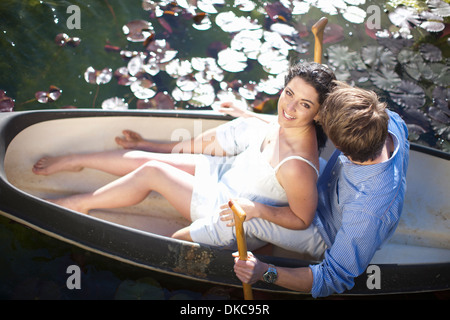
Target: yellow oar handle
{"points": [[239, 218], [318, 29]]}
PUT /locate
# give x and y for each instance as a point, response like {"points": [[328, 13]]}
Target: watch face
{"points": [[270, 276]]}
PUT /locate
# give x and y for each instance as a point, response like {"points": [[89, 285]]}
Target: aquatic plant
{"points": [[51, 95], [6, 103], [403, 68], [63, 39], [194, 54]]}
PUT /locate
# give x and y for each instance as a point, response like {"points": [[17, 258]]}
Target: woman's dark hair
{"points": [[321, 78]]}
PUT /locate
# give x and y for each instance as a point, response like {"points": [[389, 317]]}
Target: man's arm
{"points": [[252, 270]]}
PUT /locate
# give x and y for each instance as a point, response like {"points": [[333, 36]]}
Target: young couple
{"points": [[271, 168]]}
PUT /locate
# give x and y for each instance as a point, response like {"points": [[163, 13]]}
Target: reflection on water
{"points": [[34, 266], [156, 54]]}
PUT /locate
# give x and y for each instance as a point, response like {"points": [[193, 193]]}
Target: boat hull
{"points": [[145, 248]]}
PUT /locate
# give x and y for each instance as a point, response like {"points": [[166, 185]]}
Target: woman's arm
{"points": [[235, 111], [205, 143], [299, 181]]}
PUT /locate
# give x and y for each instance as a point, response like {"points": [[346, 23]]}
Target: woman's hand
{"points": [[233, 110], [131, 140], [249, 271], [249, 207]]}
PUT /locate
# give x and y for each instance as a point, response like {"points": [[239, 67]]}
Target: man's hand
{"points": [[251, 270]]}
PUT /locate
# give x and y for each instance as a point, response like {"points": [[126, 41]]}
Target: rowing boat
{"points": [[416, 259]]}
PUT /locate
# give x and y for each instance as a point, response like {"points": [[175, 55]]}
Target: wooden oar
{"points": [[239, 218], [317, 29]]}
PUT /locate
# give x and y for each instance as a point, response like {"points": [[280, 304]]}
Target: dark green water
{"points": [[34, 266]]}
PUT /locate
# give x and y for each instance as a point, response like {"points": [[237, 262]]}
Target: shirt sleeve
{"points": [[236, 135], [351, 253]]}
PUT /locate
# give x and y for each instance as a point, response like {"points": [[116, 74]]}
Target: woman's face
{"points": [[298, 104]]}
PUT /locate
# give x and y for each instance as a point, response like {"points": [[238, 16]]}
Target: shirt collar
{"points": [[356, 173]]}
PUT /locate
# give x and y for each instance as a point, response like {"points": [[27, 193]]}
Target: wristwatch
{"points": [[271, 275]]}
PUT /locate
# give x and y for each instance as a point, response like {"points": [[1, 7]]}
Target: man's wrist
{"points": [[271, 275]]}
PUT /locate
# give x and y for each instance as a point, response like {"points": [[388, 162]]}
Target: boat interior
{"points": [[422, 236]]}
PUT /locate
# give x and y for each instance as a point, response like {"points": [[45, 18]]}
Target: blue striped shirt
{"points": [[359, 209]]}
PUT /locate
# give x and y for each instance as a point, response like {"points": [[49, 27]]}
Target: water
{"points": [[34, 266]]}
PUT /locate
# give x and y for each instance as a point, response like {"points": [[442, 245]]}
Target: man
{"points": [[361, 193]]}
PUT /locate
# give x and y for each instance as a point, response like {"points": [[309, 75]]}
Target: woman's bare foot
{"points": [[69, 203], [50, 165]]}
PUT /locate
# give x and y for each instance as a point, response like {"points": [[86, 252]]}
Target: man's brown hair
{"points": [[355, 121]]}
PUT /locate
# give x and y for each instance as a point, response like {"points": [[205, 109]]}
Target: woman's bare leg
{"points": [[174, 184], [117, 162]]}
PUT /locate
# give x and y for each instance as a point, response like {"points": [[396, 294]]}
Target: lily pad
{"points": [[138, 30], [376, 56], [98, 76], [441, 96], [432, 23], [272, 85], [178, 68], [248, 41], [63, 39], [404, 17], [114, 103], [430, 52], [330, 7], [343, 59], [300, 7], [232, 60], [414, 131], [6, 103], [414, 64], [51, 95], [207, 70], [408, 95], [203, 95], [161, 100], [440, 74], [354, 14], [273, 60], [385, 79], [229, 96], [395, 44], [439, 7], [229, 22], [438, 115], [143, 88], [277, 11]]}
